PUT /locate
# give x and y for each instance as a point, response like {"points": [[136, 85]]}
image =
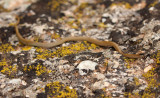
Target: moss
{"points": [[5, 48], [59, 90]]}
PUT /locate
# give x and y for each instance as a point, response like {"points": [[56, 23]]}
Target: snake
{"points": [[71, 38]]}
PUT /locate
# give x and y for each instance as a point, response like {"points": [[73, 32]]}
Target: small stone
{"points": [[86, 65], [98, 75], [15, 81], [147, 68], [116, 64], [100, 85], [23, 82], [2, 85]]}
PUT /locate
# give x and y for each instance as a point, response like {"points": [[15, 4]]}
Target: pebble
{"points": [[87, 65], [116, 64], [100, 85], [15, 81], [98, 75], [146, 69]]}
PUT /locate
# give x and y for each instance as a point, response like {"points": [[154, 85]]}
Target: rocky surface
{"points": [[80, 69]]}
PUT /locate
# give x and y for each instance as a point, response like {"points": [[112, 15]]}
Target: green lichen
{"points": [[59, 90]]}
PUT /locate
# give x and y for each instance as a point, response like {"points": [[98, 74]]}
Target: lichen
{"points": [[125, 4], [39, 69], [136, 81], [2, 9], [73, 49], [154, 3], [55, 5], [5, 48], [43, 53], [128, 62], [9, 70], [26, 48], [59, 90], [81, 7]]}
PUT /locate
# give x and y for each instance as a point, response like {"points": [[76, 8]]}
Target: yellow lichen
{"points": [[43, 53], [81, 7], [9, 70], [26, 48], [3, 62], [73, 49], [136, 81], [55, 36], [75, 24], [127, 62], [152, 84], [59, 90], [5, 48], [102, 25], [154, 3], [54, 5], [39, 69], [125, 4]]}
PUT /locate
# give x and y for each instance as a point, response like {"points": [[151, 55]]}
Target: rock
{"points": [[15, 81], [86, 65], [100, 85], [98, 75], [148, 68]]}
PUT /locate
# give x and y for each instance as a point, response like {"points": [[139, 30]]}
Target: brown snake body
{"points": [[91, 40]]}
